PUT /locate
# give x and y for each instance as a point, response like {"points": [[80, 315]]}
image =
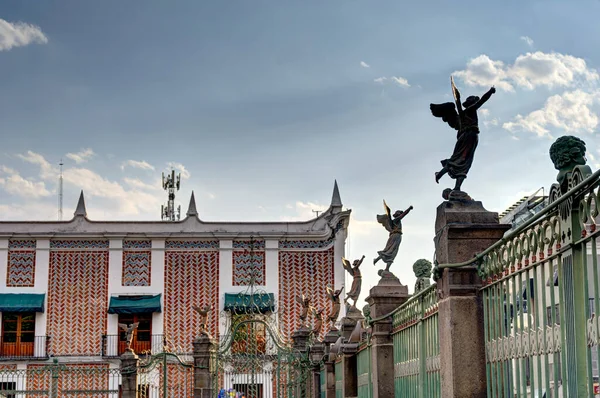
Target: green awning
{"points": [[249, 303], [134, 304], [22, 302]]}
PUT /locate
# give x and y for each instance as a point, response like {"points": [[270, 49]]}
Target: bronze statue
{"points": [[422, 270], [203, 311], [305, 303], [334, 297], [566, 153], [354, 271], [318, 314], [466, 123], [394, 227], [129, 329]]}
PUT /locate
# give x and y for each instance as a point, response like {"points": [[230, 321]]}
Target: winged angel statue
{"points": [[129, 329], [394, 227], [465, 121]]}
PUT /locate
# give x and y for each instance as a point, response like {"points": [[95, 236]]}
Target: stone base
{"points": [[453, 195]]}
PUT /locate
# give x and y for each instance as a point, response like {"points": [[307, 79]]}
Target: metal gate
{"points": [[165, 375]]}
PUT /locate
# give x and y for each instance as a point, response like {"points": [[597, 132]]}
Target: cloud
{"points": [[139, 184], [364, 64], [14, 184], [527, 40], [211, 195], [82, 156], [569, 111], [401, 81], [137, 165], [394, 79], [46, 170], [18, 34], [529, 71], [179, 168]]}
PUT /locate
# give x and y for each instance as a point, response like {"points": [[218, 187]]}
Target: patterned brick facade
{"points": [[303, 272], [77, 299], [21, 263], [246, 265], [71, 379], [191, 278], [136, 263]]}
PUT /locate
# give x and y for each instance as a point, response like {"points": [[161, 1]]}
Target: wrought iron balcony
{"points": [[114, 346], [23, 347]]}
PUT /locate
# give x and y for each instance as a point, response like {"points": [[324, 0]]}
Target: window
{"points": [[250, 338], [18, 334], [7, 389], [142, 336]]}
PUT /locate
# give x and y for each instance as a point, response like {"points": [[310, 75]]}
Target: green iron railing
{"points": [[540, 296], [416, 346], [363, 370], [339, 380], [323, 391]]}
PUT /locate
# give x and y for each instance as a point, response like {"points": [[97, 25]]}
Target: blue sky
{"points": [[262, 104]]}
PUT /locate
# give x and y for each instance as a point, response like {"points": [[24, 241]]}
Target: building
{"points": [[66, 285]]}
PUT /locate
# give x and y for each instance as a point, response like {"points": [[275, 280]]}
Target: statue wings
{"points": [[302, 300], [129, 328], [347, 265], [203, 311], [386, 219], [447, 110]]}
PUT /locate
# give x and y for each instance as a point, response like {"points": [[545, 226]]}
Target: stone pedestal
{"points": [[330, 338], [463, 229], [300, 338], [204, 355], [129, 367], [383, 299], [317, 354], [350, 376]]}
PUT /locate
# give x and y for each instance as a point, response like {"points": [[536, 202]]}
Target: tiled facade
{"points": [[137, 265], [191, 279], [77, 300], [303, 272]]}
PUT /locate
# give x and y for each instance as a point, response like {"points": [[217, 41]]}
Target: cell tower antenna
{"points": [[170, 184], [60, 192]]}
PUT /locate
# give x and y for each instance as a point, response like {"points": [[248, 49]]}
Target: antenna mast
{"points": [[60, 192], [170, 184]]}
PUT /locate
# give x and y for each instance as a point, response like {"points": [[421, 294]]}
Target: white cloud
{"points": [[401, 81], [394, 79], [569, 111], [211, 195], [137, 165], [364, 64], [527, 40], [139, 184], [19, 34], [14, 184], [46, 170], [82, 156], [529, 71], [179, 168]]}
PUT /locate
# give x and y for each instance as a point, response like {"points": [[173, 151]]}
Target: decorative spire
{"points": [[192, 212], [336, 200], [80, 210]]}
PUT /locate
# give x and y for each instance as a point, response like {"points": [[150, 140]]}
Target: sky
{"points": [[261, 105]]}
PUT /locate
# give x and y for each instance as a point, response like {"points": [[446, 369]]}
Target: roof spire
{"points": [[336, 200], [80, 209], [192, 212]]}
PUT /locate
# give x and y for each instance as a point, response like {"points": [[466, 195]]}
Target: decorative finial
{"points": [[422, 270], [80, 209], [568, 152], [192, 212], [128, 329], [336, 200]]}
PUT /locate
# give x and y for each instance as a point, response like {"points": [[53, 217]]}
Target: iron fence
{"points": [[113, 346], [23, 347], [363, 370], [58, 380], [416, 346], [339, 379]]}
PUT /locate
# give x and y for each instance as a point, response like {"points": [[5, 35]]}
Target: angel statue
{"points": [[129, 329], [394, 227], [318, 314], [334, 297], [354, 271], [305, 303], [466, 123], [203, 312]]}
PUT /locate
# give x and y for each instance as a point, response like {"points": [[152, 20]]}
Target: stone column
{"points": [[204, 353], [300, 338], [383, 299], [349, 377], [317, 353], [330, 338], [463, 229], [129, 369]]}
